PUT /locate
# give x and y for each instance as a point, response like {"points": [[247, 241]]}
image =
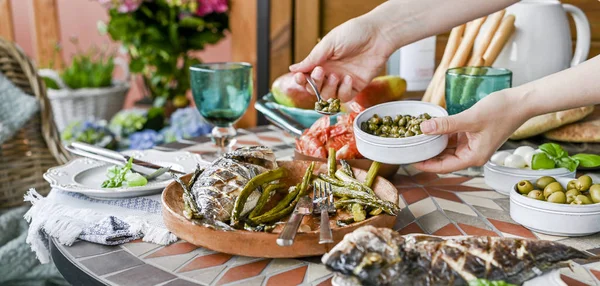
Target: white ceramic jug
{"points": [[541, 44]]}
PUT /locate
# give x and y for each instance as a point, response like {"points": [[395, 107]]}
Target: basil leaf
{"points": [[567, 163], [587, 160], [553, 150], [542, 161]]}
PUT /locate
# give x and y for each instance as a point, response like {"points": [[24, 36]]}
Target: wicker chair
{"points": [[36, 147]]}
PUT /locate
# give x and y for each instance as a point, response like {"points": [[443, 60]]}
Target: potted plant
{"points": [[160, 37], [86, 90]]}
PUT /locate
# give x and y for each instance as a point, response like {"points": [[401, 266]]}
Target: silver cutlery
{"points": [[318, 94], [323, 205], [303, 207], [115, 156], [110, 156]]}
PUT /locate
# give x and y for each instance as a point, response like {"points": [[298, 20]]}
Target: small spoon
{"points": [[319, 98]]}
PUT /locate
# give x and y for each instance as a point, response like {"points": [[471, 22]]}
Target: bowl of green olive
{"points": [[557, 206], [391, 132]]}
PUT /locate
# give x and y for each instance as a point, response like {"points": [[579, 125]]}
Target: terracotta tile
{"points": [[425, 178], [268, 138], [414, 195], [572, 282], [512, 228], [325, 283], [449, 181], [403, 181], [206, 261], [459, 188], [292, 277], [243, 271], [448, 230], [174, 249], [471, 230], [411, 228], [443, 194], [595, 273]]}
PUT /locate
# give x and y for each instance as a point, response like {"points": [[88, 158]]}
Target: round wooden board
{"points": [[386, 170], [261, 244]]}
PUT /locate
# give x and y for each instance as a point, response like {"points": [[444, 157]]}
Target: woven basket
{"points": [[34, 148], [69, 105]]}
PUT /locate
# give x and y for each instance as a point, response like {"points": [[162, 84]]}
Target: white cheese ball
{"points": [[523, 150], [515, 161], [499, 157]]}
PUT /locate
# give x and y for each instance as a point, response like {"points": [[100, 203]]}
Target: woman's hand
{"points": [[476, 133], [345, 60]]}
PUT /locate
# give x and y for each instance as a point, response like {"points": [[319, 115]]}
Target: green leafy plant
{"points": [[484, 282], [160, 36], [553, 155]]}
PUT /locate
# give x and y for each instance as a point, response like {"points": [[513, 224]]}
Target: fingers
{"points": [[444, 163], [318, 76], [345, 91], [446, 125], [317, 56], [330, 87]]}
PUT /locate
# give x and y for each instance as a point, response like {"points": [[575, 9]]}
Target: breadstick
{"points": [[494, 22], [451, 46], [507, 27], [459, 59]]}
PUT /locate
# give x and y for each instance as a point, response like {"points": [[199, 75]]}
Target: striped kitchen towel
{"points": [[69, 216]]}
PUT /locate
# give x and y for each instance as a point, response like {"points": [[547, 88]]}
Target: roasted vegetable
{"points": [[358, 212], [331, 167], [346, 168], [264, 198], [372, 174], [254, 183]]}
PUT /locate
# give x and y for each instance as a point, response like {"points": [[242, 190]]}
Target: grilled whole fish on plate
{"points": [[217, 188], [381, 256]]}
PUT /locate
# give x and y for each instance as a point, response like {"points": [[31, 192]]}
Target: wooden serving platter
{"points": [[261, 244]]}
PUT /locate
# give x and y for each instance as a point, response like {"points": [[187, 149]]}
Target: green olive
{"points": [[524, 187], [571, 194], [542, 182], [582, 200], [409, 133], [595, 193], [402, 122], [571, 184], [552, 188], [385, 129], [387, 120], [557, 198], [536, 194], [397, 119], [426, 116], [583, 183]]}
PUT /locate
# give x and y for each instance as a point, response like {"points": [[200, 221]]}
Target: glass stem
{"points": [[221, 137]]}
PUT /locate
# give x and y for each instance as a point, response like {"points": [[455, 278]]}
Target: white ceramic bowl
{"points": [[399, 150], [502, 179], [554, 219]]}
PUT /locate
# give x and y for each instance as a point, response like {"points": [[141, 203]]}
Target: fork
{"points": [[323, 205]]}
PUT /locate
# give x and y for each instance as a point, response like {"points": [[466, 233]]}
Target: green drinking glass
{"points": [[465, 86], [222, 93]]}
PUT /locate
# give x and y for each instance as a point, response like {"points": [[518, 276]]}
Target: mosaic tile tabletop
{"points": [[445, 205]]}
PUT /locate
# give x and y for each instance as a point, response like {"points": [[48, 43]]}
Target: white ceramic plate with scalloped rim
{"points": [[85, 176]]}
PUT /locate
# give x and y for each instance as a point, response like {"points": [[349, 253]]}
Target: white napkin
{"points": [[69, 216]]}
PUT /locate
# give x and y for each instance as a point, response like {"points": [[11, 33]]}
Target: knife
{"points": [[303, 207], [111, 156]]}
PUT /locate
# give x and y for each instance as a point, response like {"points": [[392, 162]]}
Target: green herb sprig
{"points": [[553, 155], [118, 176]]}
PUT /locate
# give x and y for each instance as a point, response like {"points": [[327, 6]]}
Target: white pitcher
{"points": [[541, 44]]}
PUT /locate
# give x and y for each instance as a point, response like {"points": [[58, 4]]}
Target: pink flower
{"points": [[123, 6], [206, 7]]}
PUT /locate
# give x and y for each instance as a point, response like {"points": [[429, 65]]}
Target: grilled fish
{"points": [[217, 188], [381, 256]]}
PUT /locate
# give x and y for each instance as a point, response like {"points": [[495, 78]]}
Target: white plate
{"points": [[85, 176]]}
